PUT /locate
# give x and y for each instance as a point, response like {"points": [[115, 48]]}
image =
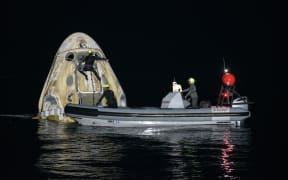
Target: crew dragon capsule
{"points": [[66, 82]]}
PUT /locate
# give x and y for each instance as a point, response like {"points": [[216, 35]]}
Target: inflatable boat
{"points": [[163, 116]]}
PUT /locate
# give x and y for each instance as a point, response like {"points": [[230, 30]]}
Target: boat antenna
{"points": [[224, 64]]}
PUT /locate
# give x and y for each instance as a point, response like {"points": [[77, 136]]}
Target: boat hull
{"points": [[147, 117]]}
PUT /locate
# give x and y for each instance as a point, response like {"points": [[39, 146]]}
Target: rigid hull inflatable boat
{"points": [[153, 116]]}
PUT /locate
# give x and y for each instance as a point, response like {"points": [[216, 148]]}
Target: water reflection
{"points": [[226, 153], [70, 150]]}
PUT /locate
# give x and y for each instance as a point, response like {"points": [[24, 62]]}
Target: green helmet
{"points": [[191, 80], [106, 86]]}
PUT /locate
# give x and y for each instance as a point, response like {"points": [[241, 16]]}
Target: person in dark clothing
{"points": [[110, 97], [88, 65], [191, 94]]}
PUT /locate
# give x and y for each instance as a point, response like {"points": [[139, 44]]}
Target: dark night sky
{"points": [[147, 43]]}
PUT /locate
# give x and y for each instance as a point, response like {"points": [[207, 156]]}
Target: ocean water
{"points": [[50, 150]]}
